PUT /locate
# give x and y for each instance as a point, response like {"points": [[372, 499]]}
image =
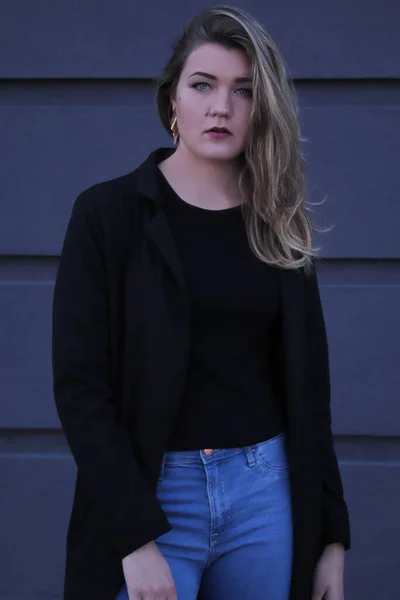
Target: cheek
{"points": [[190, 109]]}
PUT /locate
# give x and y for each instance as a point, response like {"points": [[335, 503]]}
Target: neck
{"points": [[204, 182]]}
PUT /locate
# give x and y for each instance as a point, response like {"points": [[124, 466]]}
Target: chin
{"points": [[222, 153]]}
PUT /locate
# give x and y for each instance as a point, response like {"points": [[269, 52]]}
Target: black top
{"points": [[234, 302]]}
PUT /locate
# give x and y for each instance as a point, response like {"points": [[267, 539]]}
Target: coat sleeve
{"points": [[116, 488], [335, 526]]}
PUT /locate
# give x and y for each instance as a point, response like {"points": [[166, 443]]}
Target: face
{"points": [[214, 90]]}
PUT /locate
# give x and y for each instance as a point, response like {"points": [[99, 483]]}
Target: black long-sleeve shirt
{"points": [[229, 398]]}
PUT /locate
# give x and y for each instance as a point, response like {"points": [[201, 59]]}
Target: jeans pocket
{"points": [[272, 455]]}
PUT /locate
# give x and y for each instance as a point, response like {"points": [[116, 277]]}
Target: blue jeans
{"points": [[231, 522]]}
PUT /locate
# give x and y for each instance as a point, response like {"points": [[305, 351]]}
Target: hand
{"points": [[147, 575], [328, 577]]}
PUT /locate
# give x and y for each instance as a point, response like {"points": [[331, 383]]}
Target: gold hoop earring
{"points": [[174, 130]]}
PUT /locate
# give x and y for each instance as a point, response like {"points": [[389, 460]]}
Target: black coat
{"points": [[120, 353]]}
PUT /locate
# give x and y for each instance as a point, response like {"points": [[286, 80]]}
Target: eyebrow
{"points": [[214, 78]]}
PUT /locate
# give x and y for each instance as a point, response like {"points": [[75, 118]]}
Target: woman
{"points": [[190, 359]]}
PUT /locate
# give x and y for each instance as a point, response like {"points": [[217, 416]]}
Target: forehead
{"points": [[218, 60]]}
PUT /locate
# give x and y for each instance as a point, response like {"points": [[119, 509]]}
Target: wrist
{"points": [[335, 552], [336, 547]]}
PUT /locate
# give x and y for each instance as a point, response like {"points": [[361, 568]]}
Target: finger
{"points": [[171, 594]]}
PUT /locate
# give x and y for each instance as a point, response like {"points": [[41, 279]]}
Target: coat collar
{"points": [[147, 175]]}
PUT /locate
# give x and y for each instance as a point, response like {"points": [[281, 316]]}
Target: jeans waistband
{"points": [[193, 457]]}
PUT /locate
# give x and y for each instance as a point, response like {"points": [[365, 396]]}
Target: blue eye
{"points": [[245, 92], [198, 87]]}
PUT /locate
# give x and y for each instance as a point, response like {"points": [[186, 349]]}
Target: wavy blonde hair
{"points": [[278, 227]]}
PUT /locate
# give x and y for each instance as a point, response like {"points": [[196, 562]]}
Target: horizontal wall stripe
{"points": [[357, 449], [136, 92], [363, 272], [28, 441], [372, 463], [331, 271], [35, 456], [353, 39], [358, 286], [27, 283], [27, 268], [53, 456]]}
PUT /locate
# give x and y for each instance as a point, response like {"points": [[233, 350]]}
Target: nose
{"points": [[221, 106]]}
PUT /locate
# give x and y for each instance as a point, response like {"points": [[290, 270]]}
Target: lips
{"points": [[219, 130]]}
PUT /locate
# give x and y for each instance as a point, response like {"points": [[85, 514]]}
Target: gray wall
{"points": [[76, 107]]}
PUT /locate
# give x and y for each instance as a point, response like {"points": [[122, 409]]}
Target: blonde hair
{"points": [[278, 227]]}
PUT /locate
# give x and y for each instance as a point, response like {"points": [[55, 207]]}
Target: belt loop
{"points": [[251, 459], [162, 468]]}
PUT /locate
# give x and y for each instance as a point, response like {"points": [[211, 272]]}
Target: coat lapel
{"points": [[160, 234], [157, 226]]}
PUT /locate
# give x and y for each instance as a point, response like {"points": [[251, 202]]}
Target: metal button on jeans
{"points": [[208, 451]]}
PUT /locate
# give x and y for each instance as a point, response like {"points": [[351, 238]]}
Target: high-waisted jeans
{"points": [[231, 522]]}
